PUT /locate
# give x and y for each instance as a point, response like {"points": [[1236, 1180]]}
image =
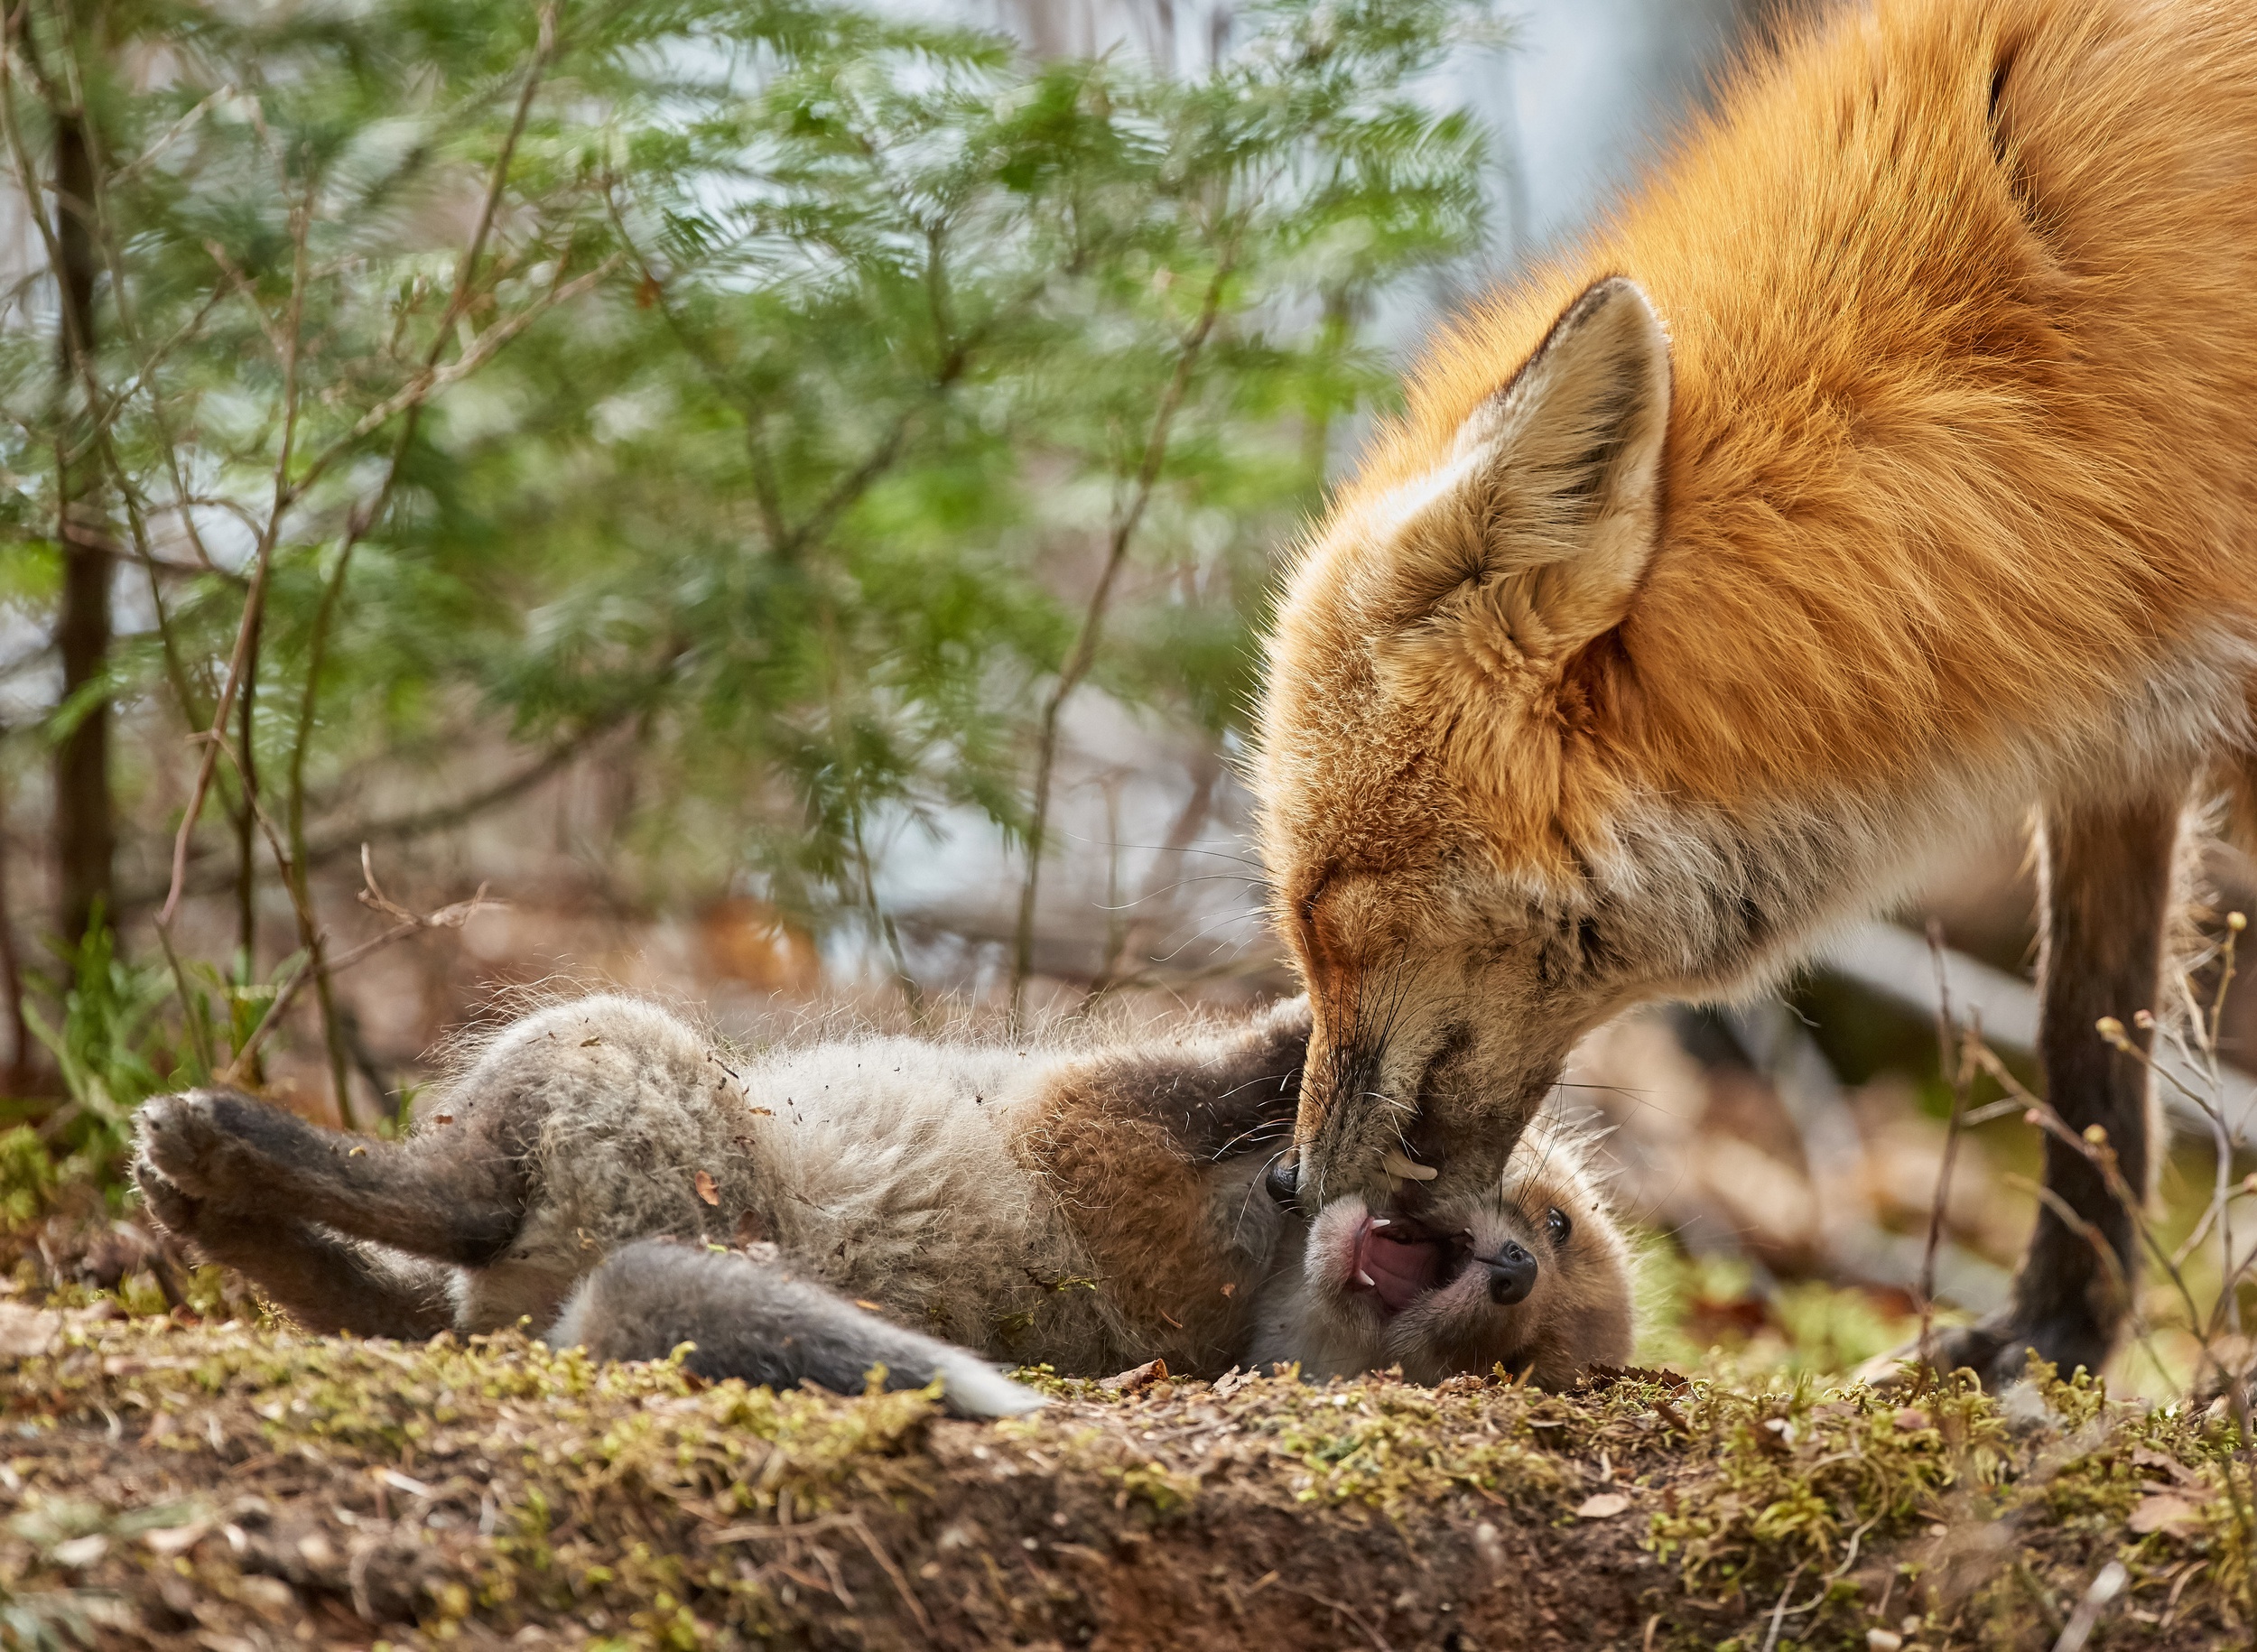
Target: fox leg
{"points": [[246, 1167], [2110, 891], [750, 1319], [326, 1283]]}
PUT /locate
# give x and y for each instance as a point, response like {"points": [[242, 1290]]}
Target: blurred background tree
{"points": [[789, 407]]}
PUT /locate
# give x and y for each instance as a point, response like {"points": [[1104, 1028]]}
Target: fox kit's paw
{"points": [[173, 1211], [196, 1143]]}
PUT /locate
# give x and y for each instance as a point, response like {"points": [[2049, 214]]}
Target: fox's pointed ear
{"points": [[1541, 522]]}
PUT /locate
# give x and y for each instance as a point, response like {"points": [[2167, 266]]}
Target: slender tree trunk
{"points": [[85, 827], [19, 1077], [246, 821]]}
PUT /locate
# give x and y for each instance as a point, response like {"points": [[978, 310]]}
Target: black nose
{"points": [[1282, 1180], [1512, 1275]]}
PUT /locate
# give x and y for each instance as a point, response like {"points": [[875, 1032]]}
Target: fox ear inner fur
{"points": [[1531, 538]]}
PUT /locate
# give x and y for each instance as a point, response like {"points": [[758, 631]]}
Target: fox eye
{"points": [[1557, 1226]]}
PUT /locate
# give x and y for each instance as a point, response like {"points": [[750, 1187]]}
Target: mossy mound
{"points": [[171, 1484]]}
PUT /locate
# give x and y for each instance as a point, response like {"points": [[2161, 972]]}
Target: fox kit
{"points": [[1884, 470], [1536, 1280], [925, 1206]]}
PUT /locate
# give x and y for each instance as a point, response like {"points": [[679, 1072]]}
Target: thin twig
{"points": [[1779, 1610], [408, 923], [285, 339], [415, 823], [363, 519], [2105, 1586], [1083, 652], [1378, 1641], [861, 1529]]}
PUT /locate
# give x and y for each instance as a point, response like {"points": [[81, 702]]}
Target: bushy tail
{"points": [[751, 1320]]}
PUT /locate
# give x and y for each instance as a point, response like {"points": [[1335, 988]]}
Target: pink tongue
{"points": [[1398, 1272]]}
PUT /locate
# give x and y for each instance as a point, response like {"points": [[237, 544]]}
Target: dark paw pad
{"points": [[188, 1141], [173, 1211]]}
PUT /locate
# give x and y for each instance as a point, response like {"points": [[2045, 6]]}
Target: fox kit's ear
{"points": [[1535, 530]]}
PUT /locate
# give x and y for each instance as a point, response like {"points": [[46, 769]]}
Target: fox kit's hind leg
{"points": [[604, 1086], [326, 1283], [2110, 891], [453, 1198], [288, 1204], [750, 1319]]}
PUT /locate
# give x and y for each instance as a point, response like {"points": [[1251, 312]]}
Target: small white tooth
{"points": [[1382, 1222], [1405, 1169], [1369, 1284]]}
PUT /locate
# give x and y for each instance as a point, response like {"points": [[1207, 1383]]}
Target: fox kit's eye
{"points": [[1557, 1226]]}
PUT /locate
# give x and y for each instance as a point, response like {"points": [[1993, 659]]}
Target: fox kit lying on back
{"points": [[1887, 468], [904, 1201], [1534, 1276]]}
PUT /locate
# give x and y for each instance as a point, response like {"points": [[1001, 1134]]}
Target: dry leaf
{"points": [[2171, 1512], [1601, 1506], [748, 1229], [169, 1541], [1143, 1377], [81, 1551], [706, 1190], [2172, 1469], [25, 1332], [864, 1302], [1232, 1381]]}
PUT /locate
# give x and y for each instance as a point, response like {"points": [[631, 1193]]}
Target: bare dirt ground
{"points": [[173, 1483]]}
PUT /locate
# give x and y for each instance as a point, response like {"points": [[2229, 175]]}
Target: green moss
{"points": [[639, 1503], [27, 1175]]}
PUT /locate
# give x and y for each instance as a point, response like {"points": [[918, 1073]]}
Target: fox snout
{"points": [[1512, 1273], [1410, 1153]]}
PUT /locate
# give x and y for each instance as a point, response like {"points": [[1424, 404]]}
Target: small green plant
{"points": [[115, 1045], [27, 1175]]}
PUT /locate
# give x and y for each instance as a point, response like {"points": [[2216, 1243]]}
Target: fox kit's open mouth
{"points": [[1395, 1261]]}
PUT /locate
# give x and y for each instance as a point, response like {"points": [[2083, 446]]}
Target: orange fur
{"points": [[1149, 1215], [1956, 513]]}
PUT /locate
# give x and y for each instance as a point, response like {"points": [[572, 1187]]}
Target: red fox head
{"points": [[1444, 821]]}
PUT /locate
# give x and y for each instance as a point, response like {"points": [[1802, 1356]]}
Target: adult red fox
{"points": [[1886, 467]]}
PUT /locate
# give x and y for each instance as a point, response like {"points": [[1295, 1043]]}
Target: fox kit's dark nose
{"points": [[1282, 1180], [1512, 1275]]}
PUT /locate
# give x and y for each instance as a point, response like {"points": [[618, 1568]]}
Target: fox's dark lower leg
{"points": [[457, 1194], [2110, 889]]}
